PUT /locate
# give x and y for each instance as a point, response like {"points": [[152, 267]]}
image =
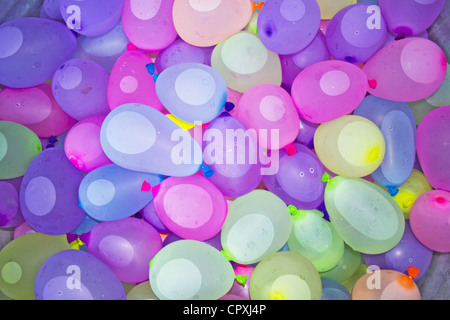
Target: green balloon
{"points": [[18, 147], [190, 270], [21, 259], [346, 267], [367, 217], [257, 225], [316, 239], [285, 275]]}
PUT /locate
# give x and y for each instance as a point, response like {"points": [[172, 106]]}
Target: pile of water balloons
{"points": [[223, 149]]}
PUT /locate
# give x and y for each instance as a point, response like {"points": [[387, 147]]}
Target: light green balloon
{"points": [[142, 291], [257, 225], [18, 147], [244, 62], [190, 270], [21, 259], [366, 216], [441, 97], [346, 267], [316, 239], [285, 275]]}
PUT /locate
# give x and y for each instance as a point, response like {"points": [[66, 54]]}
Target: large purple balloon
{"points": [[288, 26], [77, 275], [49, 193], [356, 33], [233, 155], [31, 49], [408, 252], [293, 64], [299, 179], [407, 17], [10, 212]]}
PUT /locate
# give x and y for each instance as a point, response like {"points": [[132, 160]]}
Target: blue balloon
{"points": [[398, 125], [140, 138], [192, 92], [31, 49], [111, 192], [334, 290]]}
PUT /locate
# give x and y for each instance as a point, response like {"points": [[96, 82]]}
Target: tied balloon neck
{"points": [[393, 191], [325, 177], [152, 70], [229, 106], [257, 6], [413, 272], [296, 212], [145, 187], [226, 255], [241, 279], [131, 47], [207, 171], [291, 150], [373, 84], [51, 142]]}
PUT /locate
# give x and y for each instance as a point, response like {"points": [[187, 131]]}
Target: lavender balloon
{"points": [[232, 153], [150, 215], [49, 193], [410, 17], [408, 252], [80, 88], [306, 133], [293, 64], [298, 181], [77, 275], [356, 33], [31, 49], [288, 26], [180, 51], [91, 18]]}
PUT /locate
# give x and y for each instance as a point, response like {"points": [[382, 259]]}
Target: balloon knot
{"points": [[292, 210], [229, 106], [373, 84], [151, 68], [413, 272], [291, 150], [241, 279], [146, 186], [207, 171], [325, 177], [393, 191], [131, 47], [257, 6]]}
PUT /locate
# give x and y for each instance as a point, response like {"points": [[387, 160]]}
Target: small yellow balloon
{"points": [[328, 8]]}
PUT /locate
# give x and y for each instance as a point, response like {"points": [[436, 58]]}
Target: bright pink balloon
{"points": [[406, 70], [130, 81], [82, 144]]}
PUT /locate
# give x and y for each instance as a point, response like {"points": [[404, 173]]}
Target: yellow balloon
{"points": [[328, 8]]}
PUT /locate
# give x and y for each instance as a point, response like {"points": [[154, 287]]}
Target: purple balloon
{"points": [[10, 212], [233, 155], [180, 51], [80, 87], [77, 275], [31, 49], [150, 215], [408, 252], [407, 18], [299, 179], [126, 246], [306, 133], [288, 26], [356, 33], [49, 193]]}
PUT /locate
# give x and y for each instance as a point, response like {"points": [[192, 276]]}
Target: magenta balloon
{"points": [[82, 144], [298, 181], [10, 212], [36, 109], [351, 35], [328, 90], [49, 193], [433, 147], [130, 81], [233, 155], [406, 70], [80, 87], [429, 219], [292, 64], [410, 17], [126, 246]]}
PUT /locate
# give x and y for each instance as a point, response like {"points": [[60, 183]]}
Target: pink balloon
{"points": [[429, 219], [191, 207], [130, 81], [82, 144], [406, 70], [269, 110], [328, 90], [35, 108], [433, 147], [149, 24]]}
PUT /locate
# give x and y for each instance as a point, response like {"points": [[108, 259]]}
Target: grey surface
{"points": [[12, 9]]}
